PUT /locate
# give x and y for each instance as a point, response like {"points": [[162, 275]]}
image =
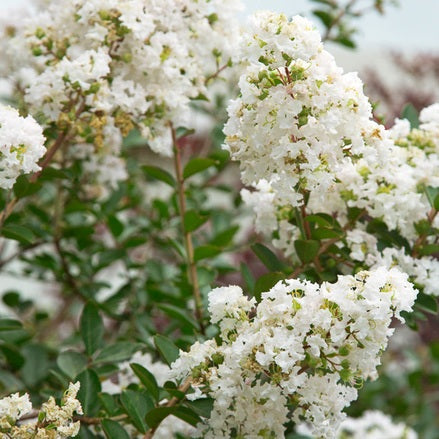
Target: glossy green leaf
{"points": [[266, 282], [197, 165], [137, 405], [18, 233], [192, 220], [91, 328], [267, 257], [147, 379], [88, 392], [117, 352], [71, 363], [206, 251], [167, 348], [160, 174], [113, 430], [307, 250]]}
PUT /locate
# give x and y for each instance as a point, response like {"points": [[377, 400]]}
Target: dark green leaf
{"points": [[192, 220], [197, 165], [147, 379], [117, 352], [324, 17], [203, 407], [427, 303], [114, 430], [266, 282], [267, 257], [160, 174], [224, 238], [179, 314], [307, 250], [137, 405], [13, 356], [71, 363], [115, 225], [167, 348], [36, 367], [91, 328], [206, 251], [410, 113], [248, 277], [433, 196], [156, 416], [88, 392], [18, 233]]}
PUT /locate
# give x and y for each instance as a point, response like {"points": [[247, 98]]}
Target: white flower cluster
{"points": [[419, 148], [374, 425], [53, 421], [304, 135], [21, 146], [105, 67], [303, 349]]}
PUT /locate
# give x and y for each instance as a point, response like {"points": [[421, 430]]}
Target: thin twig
{"points": [[192, 269]]}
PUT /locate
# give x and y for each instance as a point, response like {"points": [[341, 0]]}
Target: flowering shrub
{"points": [[142, 280]]}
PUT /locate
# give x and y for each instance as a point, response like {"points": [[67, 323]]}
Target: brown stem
{"points": [[192, 269], [216, 74]]}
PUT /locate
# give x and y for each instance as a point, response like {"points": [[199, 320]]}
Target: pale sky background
{"points": [[413, 26]]}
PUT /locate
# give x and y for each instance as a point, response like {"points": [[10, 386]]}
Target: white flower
{"points": [[308, 343], [21, 146]]}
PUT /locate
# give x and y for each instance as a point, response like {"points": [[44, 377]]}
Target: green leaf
{"points": [[429, 249], [24, 188], [427, 303], [18, 233], [157, 415], [325, 233], [410, 113], [91, 328], [206, 251], [113, 430], [167, 348], [203, 407], [192, 220], [115, 225], [223, 239], [267, 257], [324, 17], [88, 392], [9, 324], [117, 352], [307, 250], [183, 132], [266, 282], [197, 165], [71, 363], [147, 379], [12, 355], [433, 196], [160, 174], [137, 405], [248, 277], [36, 367], [345, 41], [179, 314]]}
